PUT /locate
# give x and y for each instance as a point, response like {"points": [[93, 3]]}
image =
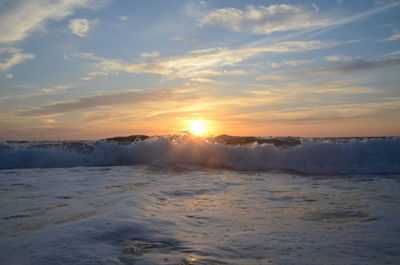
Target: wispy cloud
{"points": [[351, 68], [390, 54], [337, 87], [338, 22], [293, 63], [42, 92], [395, 36], [361, 65], [266, 19], [27, 16], [321, 114], [210, 62], [184, 40], [84, 55], [340, 58], [9, 57], [92, 75], [81, 26], [150, 54], [90, 102]]}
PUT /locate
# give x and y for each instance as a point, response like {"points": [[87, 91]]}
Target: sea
{"points": [[191, 201]]}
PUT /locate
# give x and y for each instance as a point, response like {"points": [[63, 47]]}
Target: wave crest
{"points": [[365, 156]]}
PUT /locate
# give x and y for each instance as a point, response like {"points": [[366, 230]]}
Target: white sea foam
{"points": [[356, 156]]}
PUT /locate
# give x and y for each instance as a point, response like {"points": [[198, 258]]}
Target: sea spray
{"points": [[315, 156]]}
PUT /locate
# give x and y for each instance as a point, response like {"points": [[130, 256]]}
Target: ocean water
{"points": [[190, 201]]}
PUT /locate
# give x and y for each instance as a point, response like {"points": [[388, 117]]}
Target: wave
{"points": [[322, 156]]}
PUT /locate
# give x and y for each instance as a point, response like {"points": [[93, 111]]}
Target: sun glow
{"points": [[197, 128]]}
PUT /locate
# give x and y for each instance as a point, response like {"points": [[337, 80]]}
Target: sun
{"points": [[197, 128]]}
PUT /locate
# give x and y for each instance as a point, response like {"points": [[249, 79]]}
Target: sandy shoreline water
{"points": [[187, 215]]}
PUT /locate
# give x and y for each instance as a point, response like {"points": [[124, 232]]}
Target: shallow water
{"points": [[189, 215]]}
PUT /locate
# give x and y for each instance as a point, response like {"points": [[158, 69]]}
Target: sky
{"points": [[90, 69]]}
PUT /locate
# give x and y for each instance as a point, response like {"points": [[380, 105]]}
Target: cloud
{"points": [[316, 8], [395, 36], [292, 63], [277, 18], [390, 54], [42, 92], [98, 74], [337, 87], [337, 22], [185, 40], [315, 113], [150, 54], [339, 58], [80, 26], [361, 65], [317, 92], [27, 16], [123, 18], [9, 57], [84, 55], [351, 68], [92, 75], [48, 121], [131, 97], [266, 19], [328, 114], [211, 62]]}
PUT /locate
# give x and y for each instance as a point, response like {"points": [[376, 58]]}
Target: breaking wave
{"points": [[315, 156]]}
